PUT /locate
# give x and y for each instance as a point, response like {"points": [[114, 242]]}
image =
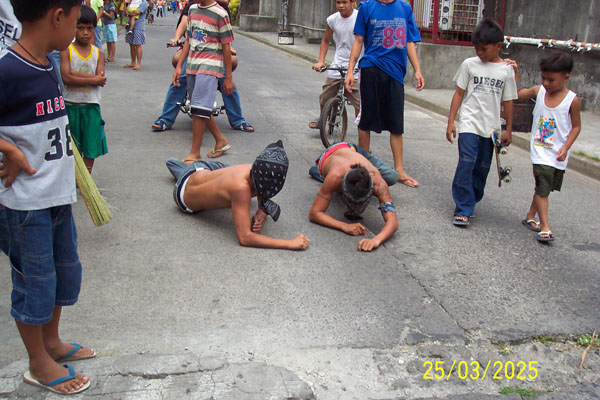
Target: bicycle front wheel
{"points": [[334, 122]]}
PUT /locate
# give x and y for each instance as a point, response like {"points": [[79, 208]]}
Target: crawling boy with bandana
{"points": [[209, 185], [358, 175]]}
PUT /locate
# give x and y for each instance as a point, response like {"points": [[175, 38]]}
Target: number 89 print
{"points": [[496, 370]]}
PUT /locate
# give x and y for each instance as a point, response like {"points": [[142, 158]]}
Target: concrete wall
{"points": [[555, 19], [305, 17], [308, 18]]}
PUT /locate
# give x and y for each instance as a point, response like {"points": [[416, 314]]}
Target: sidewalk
{"points": [[438, 101]]}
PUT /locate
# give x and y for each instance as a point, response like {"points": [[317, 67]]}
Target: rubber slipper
{"points": [[244, 127], [160, 126], [528, 222], [541, 238], [70, 356], [315, 124], [27, 378], [460, 220], [408, 181], [128, 66], [218, 152]]}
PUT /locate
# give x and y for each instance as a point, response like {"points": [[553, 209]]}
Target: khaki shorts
{"points": [[330, 89], [547, 179]]}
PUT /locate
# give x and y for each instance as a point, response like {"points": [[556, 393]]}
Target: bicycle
{"points": [[334, 117]]}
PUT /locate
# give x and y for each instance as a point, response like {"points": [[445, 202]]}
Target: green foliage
{"points": [[520, 391], [543, 339], [234, 6], [585, 340]]}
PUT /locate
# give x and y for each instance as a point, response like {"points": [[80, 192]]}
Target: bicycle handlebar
{"points": [[338, 68]]}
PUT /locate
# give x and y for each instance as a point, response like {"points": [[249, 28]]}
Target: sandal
{"points": [[460, 220], [244, 127], [160, 126], [216, 153], [545, 236], [528, 224]]}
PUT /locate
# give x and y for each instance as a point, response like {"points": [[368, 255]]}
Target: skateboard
{"points": [[500, 149]]}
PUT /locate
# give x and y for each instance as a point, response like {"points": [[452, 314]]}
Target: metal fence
{"points": [[453, 21]]}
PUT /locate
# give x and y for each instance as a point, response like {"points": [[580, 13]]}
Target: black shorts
{"points": [[381, 102]]}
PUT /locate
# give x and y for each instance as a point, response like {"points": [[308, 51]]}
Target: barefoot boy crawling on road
{"points": [[358, 175], [210, 185], [37, 230]]}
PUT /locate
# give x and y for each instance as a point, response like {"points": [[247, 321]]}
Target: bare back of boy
{"points": [[342, 160], [210, 190]]}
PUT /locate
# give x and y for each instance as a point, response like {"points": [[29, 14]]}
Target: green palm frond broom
{"points": [[94, 201]]}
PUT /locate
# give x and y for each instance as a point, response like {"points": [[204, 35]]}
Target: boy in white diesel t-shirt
{"points": [[484, 84], [340, 27], [556, 125]]}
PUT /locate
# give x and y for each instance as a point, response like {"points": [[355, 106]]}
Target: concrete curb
{"points": [[577, 163]]}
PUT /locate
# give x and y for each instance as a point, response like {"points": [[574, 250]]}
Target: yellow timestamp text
{"points": [[497, 370]]}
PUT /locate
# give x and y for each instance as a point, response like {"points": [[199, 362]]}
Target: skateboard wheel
{"points": [[503, 151], [508, 170], [508, 179]]}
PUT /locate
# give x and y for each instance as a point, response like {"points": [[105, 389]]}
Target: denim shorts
{"points": [[46, 272], [202, 90]]}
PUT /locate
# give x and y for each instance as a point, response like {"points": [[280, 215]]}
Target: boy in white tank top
{"points": [[82, 68], [556, 125]]}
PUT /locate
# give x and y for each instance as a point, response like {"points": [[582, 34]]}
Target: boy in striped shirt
{"points": [[207, 47]]}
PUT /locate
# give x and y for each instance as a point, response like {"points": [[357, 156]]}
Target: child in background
{"points": [[132, 6], [484, 84], [37, 188], [556, 125], [208, 44], [110, 29], [82, 89], [340, 27], [389, 32]]}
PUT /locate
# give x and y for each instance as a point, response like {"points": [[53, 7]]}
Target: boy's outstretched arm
{"points": [[411, 51], [454, 106], [522, 93], [240, 210], [319, 216], [382, 192], [13, 162], [228, 86], [319, 65], [184, 54], [356, 48], [508, 116], [575, 112]]}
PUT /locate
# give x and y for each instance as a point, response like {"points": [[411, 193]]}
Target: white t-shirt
{"points": [[486, 86], [550, 130], [10, 27], [343, 36]]}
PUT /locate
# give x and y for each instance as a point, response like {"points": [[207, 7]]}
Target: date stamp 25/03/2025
{"points": [[497, 370]]}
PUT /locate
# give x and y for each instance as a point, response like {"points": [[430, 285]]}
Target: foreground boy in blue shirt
{"points": [[37, 188]]}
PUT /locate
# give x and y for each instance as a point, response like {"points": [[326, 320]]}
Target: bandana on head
{"points": [[268, 175]]}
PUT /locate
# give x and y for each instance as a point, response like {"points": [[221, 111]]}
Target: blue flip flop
{"points": [[459, 222], [244, 127], [27, 378], [71, 357], [160, 126]]}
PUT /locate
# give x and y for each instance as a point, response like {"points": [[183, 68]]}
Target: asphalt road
{"points": [[160, 282]]}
